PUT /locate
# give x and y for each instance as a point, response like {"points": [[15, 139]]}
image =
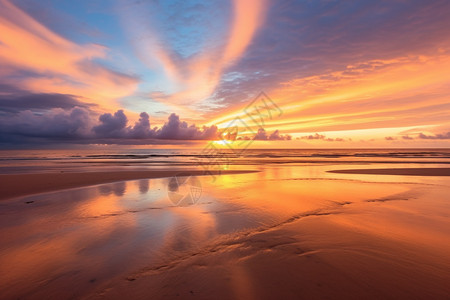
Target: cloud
{"points": [[78, 125], [142, 128], [176, 129], [112, 126], [439, 136], [313, 137], [277, 136], [219, 36], [115, 126], [423, 136], [261, 135], [56, 124], [341, 66], [41, 61], [15, 100], [317, 136]]}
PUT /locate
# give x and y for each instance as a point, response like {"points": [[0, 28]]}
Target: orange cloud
{"points": [[58, 65], [372, 99]]}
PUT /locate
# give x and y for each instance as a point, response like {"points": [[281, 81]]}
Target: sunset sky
{"points": [[342, 73]]}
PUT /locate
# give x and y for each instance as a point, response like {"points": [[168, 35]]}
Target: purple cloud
{"points": [[262, 136], [112, 126], [176, 129], [56, 124], [115, 126], [439, 136], [78, 125]]}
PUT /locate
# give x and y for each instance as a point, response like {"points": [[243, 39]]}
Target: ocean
{"points": [[26, 161]]}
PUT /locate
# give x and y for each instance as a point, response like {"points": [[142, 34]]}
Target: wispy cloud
{"points": [[261, 135], [193, 78], [35, 58]]}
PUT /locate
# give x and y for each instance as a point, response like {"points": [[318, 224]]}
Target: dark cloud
{"points": [[14, 101], [115, 126], [141, 129], [56, 124], [112, 126], [176, 129], [78, 125]]}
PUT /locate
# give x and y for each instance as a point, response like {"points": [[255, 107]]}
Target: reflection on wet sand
{"points": [[144, 185], [282, 232]]}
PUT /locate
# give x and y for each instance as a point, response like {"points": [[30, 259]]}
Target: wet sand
{"points": [[16, 185], [317, 256]]}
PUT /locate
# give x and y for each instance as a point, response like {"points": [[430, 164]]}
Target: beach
{"points": [[228, 150], [258, 231]]}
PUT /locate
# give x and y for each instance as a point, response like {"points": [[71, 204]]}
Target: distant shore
{"points": [[16, 185], [398, 171]]}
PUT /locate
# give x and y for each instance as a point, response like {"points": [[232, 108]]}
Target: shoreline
{"points": [[397, 171], [19, 185]]}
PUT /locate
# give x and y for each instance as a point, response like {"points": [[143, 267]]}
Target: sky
{"points": [[284, 74]]}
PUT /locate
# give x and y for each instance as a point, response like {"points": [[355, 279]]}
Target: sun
{"points": [[222, 142]]}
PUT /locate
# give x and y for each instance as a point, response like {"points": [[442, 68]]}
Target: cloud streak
{"points": [[193, 78], [35, 58], [317, 136]]}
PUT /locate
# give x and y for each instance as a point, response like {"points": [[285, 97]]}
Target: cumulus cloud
{"points": [[78, 125], [115, 126], [176, 129], [112, 126], [261, 135], [141, 129]]}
